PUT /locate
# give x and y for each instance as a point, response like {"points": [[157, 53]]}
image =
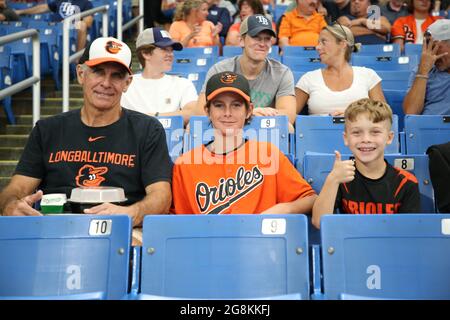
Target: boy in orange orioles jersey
{"points": [[231, 174], [368, 185]]}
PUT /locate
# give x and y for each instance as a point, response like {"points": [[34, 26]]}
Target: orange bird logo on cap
{"points": [[228, 78], [113, 47]]}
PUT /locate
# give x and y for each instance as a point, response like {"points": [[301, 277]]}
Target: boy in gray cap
{"points": [[429, 87], [154, 92], [271, 82]]}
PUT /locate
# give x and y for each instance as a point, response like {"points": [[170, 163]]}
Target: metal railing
{"points": [[35, 79], [67, 59], [140, 18]]}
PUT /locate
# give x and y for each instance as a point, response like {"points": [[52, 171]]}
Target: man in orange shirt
{"points": [[231, 174], [301, 27]]}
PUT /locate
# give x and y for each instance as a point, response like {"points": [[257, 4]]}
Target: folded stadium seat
{"points": [[224, 257], [21, 56], [380, 50], [400, 256], [174, 128], [422, 131], [6, 81], [231, 51], [378, 63], [323, 134], [316, 168], [395, 100], [300, 51], [302, 64], [62, 257]]}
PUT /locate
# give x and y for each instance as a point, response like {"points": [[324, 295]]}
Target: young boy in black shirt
{"points": [[367, 184]]}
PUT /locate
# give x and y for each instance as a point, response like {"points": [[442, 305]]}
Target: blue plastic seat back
{"points": [[210, 53], [403, 63], [413, 49], [318, 166], [395, 97], [323, 134], [174, 128], [394, 80], [380, 50], [386, 256], [423, 131], [270, 129], [64, 257], [300, 51], [225, 256], [197, 78], [302, 64]]}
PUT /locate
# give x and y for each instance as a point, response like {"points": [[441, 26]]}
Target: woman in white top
{"points": [[330, 90]]}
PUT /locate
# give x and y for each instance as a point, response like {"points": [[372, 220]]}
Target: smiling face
{"points": [[103, 85], [228, 113], [160, 59], [257, 48], [367, 139], [201, 12]]}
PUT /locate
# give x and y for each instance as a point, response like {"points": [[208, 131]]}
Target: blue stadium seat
{"points": [[380, 50], [323, 134], [302, 64], [174, 128], [316, 168], [225, 257], [197, 78], [297, 76], [395, 97], [210, 53], [271, 129], [64, 257], [413, 49], [423, 131], [279, 11], [378, 63], [191, 65], [300, 51], [394, 80], [386, 256], [231, 51]]}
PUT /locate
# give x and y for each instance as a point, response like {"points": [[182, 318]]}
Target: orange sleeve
{"points": [[174, 31], [290, 183], [323, 23], [397, 29], [285, 27]]}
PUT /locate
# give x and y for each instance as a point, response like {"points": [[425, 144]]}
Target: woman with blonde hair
{"points": [[190, 26], [330, 90]]}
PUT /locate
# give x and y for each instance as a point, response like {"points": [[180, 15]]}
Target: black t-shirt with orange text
{"points": [[397, 191], [64, 153]]}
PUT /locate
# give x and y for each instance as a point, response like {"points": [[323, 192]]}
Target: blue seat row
{"points": [[401, 256]]}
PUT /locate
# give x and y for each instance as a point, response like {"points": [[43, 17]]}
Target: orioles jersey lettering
{"points": [[228, 190]]}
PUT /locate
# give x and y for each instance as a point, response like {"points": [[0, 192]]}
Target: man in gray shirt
{"points": [[271, 83]]}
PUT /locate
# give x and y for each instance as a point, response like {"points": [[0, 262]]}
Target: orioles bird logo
{"points": [[90, 176], [228, 78], [113, 47]]}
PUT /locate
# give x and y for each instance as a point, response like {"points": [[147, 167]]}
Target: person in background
{"points": [[7, 14], [271, 82], [191, 28], [301, 27], [218, 15], [394, 9], [154, 92], [246, 8], [63, 9], [411, 28], [330, 90], [244, 176], [429, 85], [366, 27], [367, 184]]}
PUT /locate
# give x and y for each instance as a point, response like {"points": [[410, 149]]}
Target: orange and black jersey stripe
{"points": [[397, 191]]}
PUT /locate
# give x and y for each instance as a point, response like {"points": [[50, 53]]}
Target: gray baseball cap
{"points": [[157, 37], [252, 25]]}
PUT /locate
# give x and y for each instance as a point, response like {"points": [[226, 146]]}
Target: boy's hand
{"points": [[343, 171]]}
